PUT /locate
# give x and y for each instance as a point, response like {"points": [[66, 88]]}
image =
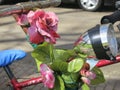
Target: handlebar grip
{"points": [[112, 18]]}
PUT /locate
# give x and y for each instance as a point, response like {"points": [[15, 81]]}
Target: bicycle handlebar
{"points": [[112, 18], [26, 6]]}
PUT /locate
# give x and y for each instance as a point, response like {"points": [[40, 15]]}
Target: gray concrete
{"points": [[72, 22]]}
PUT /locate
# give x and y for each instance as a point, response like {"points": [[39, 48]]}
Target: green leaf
{"points": [[59, 83], [83, 56], [59, 66], [99, 76], [63, 55], [43, 53], [85, 87], [71, 79], [75, 65], [83, 50], [38, 64]]}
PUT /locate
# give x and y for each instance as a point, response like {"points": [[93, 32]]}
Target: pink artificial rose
{"points": [[87, 73], [83, 72], [22, 19], [48, 76], [43, 26], [90, 75], [86, 80], [46, 25]]}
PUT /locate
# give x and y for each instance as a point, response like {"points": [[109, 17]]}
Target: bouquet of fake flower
{"points": [[61, 69]]}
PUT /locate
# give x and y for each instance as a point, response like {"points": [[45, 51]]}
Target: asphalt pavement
{"points": [[72, 22]]}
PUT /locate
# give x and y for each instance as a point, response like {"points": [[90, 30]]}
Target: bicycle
{"points": [[19, 85]]}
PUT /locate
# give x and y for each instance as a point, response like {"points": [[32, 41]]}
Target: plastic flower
{"points": [[90, 75], [23, 20], [44, 24], [69, 65], [86, 74], [86, 80], [48, 76]]}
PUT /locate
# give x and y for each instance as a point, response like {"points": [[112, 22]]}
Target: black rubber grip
{"points": [[112, 18]]}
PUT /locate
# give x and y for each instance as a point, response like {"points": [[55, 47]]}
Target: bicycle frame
{"points": [[19, 85], [103, 62], [37, 80]]}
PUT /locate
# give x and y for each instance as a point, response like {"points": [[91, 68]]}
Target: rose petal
{"points": [[34, 35], [30, 16], [53, 17], [83, 72], [22, 19], [47, 73], [85, 80], [90, 75]]}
